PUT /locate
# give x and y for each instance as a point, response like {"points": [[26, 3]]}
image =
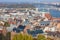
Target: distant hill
{"points": [[23, 5], [16, 5]]}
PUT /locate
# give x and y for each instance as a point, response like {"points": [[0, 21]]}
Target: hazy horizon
{"points": [[28, 1]]}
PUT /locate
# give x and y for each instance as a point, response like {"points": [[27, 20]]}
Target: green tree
{"points": [[1, 36], [15, 37], [18, 37], [6, 24], [41, 37], [22, 37], [8, 36], [30, 37]]}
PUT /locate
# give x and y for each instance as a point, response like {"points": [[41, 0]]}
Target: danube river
{"points": [[54, 13]]}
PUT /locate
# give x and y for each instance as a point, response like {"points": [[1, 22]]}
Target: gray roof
{"points": [[26, 22], [45, 22]]}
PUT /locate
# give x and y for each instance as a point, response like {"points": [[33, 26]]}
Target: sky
{"points": [[29, 1]]}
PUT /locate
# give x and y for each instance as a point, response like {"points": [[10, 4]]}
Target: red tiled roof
{"points": [[58, 26], [56, 19], [11, 22], [48, 16]]}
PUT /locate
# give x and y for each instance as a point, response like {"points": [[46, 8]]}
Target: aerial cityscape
{"points": [[29, 19]]}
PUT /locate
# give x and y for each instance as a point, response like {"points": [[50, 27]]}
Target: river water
{"points": [[54, 13]]}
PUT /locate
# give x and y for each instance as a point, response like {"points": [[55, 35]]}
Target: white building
{"points": [[52, 29]]}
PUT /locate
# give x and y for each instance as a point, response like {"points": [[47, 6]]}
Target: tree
{"points": [[48, 38], [30, 37], [15, 37], [22, 37], [6, 24], [34, 38], [18, 37], [8, 36], [41, 37], [2, 37], [26, 37]]}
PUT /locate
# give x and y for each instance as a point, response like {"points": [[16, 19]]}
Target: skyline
{"points": [[29, 1]]}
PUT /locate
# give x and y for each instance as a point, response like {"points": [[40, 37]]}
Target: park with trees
{"points": [[29, 37]]}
